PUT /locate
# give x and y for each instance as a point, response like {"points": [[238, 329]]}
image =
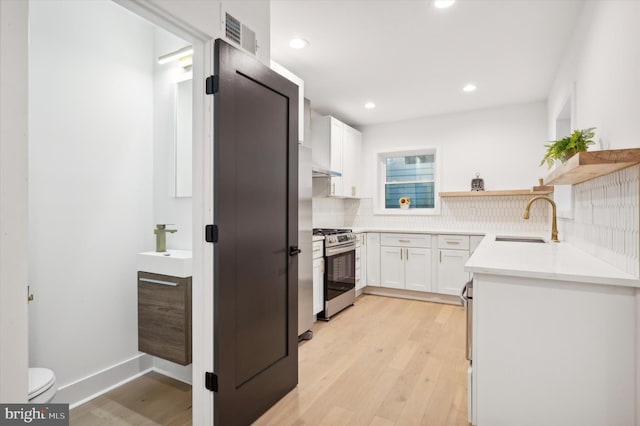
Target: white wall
{"points": [[603, 60], [13, 201], [167, 208], [503, 144], [90, 182]]}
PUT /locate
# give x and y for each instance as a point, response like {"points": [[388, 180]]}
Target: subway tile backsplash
{"points": [[606, 219]]}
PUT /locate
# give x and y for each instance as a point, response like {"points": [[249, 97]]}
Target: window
{"points": [[411, 175]]}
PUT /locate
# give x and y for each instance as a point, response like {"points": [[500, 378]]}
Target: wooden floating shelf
{"points": [[503, 193], [589, 165]]}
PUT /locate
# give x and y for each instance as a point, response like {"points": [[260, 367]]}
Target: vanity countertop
{"points": [[175, 263], [548, 261]]}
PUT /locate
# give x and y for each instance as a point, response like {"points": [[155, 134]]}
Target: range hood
{"points": [[318, 171]]}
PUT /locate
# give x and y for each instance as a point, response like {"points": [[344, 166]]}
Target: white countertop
{"points": [[419, 231], [317, 238], [550, 261]]}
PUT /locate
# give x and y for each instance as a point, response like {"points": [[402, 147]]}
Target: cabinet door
{"points": [[392, 267], [373, 259], [417, 269], [318, 283], [359, 282], [451, 274], [351, 160], [336, 157]]}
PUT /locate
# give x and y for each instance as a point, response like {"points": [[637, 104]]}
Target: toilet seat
{"points": [[40, 380]]}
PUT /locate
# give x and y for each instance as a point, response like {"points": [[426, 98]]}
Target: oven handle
{"points": [[332, 251]]}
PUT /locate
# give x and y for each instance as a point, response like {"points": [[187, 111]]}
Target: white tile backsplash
{"points": [[606, 219], [486, 214]]}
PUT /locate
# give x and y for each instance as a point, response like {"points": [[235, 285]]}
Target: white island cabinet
{"points": [[553, 338]]}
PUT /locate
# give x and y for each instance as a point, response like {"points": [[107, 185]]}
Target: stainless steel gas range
{"points": [[340, 270]]}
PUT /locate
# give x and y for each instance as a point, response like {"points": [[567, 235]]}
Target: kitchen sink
{"points": [[521, 239]]}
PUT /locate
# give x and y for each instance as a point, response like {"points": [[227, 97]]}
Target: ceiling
{"points": [[413, 60]]}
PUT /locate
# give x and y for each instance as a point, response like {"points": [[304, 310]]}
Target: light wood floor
{"points": [[152, 399], [382, 362]]}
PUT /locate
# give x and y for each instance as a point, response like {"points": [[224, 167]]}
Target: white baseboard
{"points": [[413, 295], [182, 373], [90, 387]]}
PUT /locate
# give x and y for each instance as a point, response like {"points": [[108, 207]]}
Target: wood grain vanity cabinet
{"points": [[164, 317]]}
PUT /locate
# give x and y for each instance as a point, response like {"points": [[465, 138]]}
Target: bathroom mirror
{"points": [[183, 138]]}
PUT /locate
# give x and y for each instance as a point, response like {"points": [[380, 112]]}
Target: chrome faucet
{"points": [[161, 237], [554, 223]]}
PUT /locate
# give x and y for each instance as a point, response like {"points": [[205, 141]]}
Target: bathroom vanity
{"points": [[164, 305]]}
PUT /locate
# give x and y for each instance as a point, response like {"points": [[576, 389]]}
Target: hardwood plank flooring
{"points": [[152, 399], [383, 362]]}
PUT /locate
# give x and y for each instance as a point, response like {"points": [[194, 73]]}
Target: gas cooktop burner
{"points": [[330, 231]]}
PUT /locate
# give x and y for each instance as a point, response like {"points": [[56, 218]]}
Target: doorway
{"points": [[100, 180]]}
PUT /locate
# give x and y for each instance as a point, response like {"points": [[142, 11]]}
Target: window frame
{"points": [[381, 180]]}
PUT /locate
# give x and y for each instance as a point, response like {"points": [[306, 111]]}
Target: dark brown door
{"points": [[255, 208]]}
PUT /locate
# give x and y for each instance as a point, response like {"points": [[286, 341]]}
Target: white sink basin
{"points": [[176, 263]]}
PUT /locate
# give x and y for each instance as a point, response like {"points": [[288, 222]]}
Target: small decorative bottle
{"points": [[477, 184]]}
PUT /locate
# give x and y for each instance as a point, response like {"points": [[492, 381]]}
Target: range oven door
{"points": [[340, 278]]}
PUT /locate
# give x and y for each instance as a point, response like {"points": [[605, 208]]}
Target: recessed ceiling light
{"points": [[369, 105], [443, 4], [469, 87], [298, 43]]}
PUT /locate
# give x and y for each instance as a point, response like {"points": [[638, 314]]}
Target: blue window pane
{"points": [[422, 195], [410, 168]]}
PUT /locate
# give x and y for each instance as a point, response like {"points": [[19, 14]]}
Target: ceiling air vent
{"points": [[233, 29], [240, 34]]}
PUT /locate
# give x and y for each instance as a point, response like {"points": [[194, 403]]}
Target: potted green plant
{"points": [[567, 147]]}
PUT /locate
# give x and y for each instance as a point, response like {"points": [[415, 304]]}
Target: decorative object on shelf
{"points": [[405, 202], [477, 184], [542, 187], [567, 147]]}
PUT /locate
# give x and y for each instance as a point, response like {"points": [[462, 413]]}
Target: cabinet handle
{"points": [[453, 242], [149, 280], [400, 254], [322, 266], [440, 256], [315, 250], [404, 241], [407, 253]]}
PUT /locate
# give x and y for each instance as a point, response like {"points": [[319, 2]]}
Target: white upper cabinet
{"points": [[338, 147]]}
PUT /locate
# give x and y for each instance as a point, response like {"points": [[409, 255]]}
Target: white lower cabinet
{"points": [[391, 267], [372, 245], [417, 269], [361, 262], [318, 276], [403, 266], [453, 253]]}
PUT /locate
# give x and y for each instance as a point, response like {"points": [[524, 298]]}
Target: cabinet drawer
{"points": [[453, 242], [406, 240], [318, 249]]}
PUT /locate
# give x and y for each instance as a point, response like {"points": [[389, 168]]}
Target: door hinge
{"points": [[211, 381], [212, 85], [211, 233]]}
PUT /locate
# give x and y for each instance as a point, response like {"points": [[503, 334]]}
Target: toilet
{"points": [[42, 385]]}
